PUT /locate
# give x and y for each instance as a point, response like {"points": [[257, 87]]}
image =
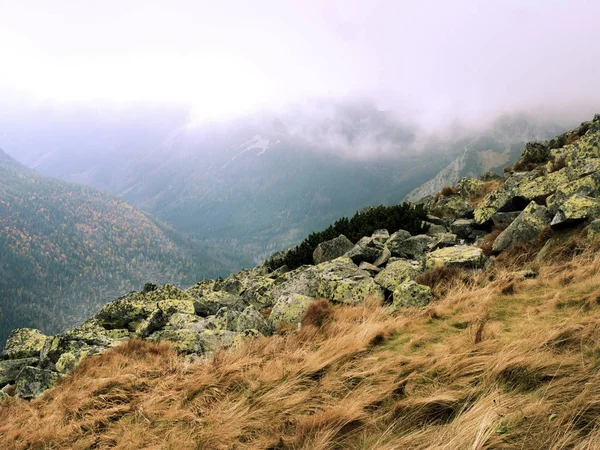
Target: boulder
{"points": [[251, 319], [210, 340], [10, 369], [328, 250], [444, 240], [371, 268], [575, 210], [450, 208], [413, 247], [588, 186], [211, 302], [469, 187], [526, 227], [383, 258], [130, 312], [458, 256], [32, 382], [24, 343], [534, 153], [342, 281], [593, 229], [502, 220], [396, 240], [289, 310], [411, 294], [93, 333], [462, 228], [396, 274], [434, 229], [186, 341], [364, 250]]}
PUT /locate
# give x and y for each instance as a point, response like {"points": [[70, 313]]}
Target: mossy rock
{"points": [[289, 310], [211, 302], [411, 295], [458, 256], [10, 369], [331, 249], [33, 382], [24, 343], [251, 319], [525, 228], [469, 187], [92, 333], [396, 274], [450, 208], [575, 210]]}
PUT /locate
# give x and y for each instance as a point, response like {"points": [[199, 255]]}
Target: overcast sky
{"points": [[235, 56]]}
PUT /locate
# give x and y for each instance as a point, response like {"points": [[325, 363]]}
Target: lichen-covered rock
{"points": [[395, 241], [593, 230], [10, 369], [130, 311], [575, 210], [444, 240], [32, 382], [24, 343], [342, 281], [211, 302], [502, 220], [435, 229], [259, 291], [534, 153], [413, 247], [526, 227], [251, 319], [364, 250], [383, 258], [380, 236], [212, 340], [588, 186], [334, 248], [71, 351], [92, 333], [469, 187], [462, 228], [396, 274], [289, 310], [371, 268], [458, 256], [185, 340], [451, 208], [410, 295], [504, 199]]}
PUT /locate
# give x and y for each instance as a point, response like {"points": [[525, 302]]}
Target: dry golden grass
{"points": [[485, 367]]}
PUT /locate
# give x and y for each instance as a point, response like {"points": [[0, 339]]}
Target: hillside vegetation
{"points": [[499, 362], [67, 249]]}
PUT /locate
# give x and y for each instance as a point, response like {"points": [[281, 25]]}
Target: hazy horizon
{"points": [[433, 61]]}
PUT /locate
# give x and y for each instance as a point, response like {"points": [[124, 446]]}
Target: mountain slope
{"points": [[66, 249]]}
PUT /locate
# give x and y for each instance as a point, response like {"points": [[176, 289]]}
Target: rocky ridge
{"points": [[555, 184]]}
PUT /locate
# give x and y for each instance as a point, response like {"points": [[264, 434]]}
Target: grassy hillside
{"points": [[66, 249], [497, 361]]}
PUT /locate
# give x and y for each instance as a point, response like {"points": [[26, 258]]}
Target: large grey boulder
{"points": [[334, 248], [411, 295], [463, 228], [526, 227], [366, 249], [24, 343], [576, 209], [464, 256], [413, 247], [32, 382], [396, 274], [10, 369], [251, 319], [289, 310]]}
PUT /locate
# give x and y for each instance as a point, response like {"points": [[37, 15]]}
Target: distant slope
{"points": [[488, 151], [66, 249]]}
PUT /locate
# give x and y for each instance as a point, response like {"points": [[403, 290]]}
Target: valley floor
{"points": [[499, 361]]}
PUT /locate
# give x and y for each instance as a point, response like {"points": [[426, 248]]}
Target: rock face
{"points": [[525, 228], [328, 250]]}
